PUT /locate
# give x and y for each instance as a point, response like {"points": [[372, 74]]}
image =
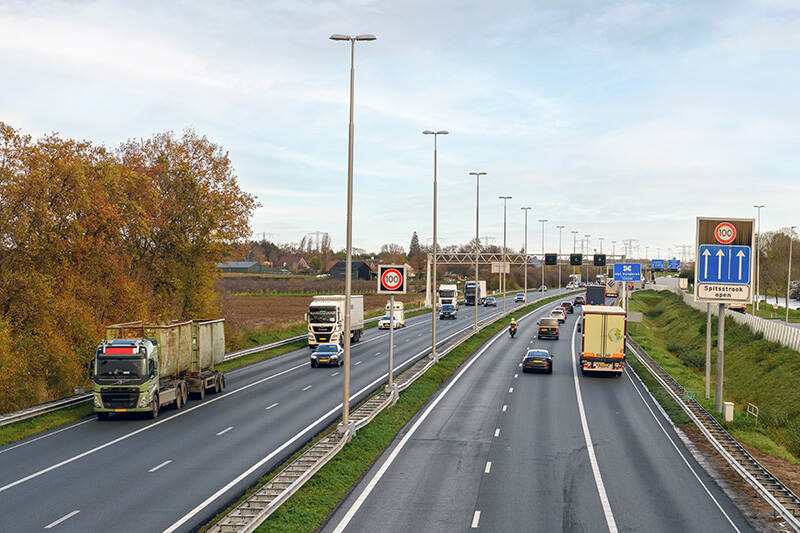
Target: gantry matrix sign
{"points": [[391, 279], [723, 271]]}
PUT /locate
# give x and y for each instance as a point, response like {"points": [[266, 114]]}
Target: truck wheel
{"points": [[184, 393], [154, 407], [202, 393], [178, 398], [222, 382], [102, 416]]}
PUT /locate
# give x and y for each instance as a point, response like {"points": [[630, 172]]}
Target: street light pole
{"points": [[433, 276], [789, 272], [601, 244], [587, 251], [574, 237], [543, 220], [558, 261], [758, 262], [526, 209], [505, 259], [348, 276], [477, 245]]}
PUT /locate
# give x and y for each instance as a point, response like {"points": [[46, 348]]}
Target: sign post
{"points": [[391, 281], [723, 275]]}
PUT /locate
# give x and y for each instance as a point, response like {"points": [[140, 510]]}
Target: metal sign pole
{"points": [[720, 358], [708, 351], [391, 337]]}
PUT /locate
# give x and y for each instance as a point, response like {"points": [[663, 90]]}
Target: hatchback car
{"points": [[559, 315], [537, 360], [579, 300], [548, 328], [568, 306], [327, 353], [490, 301], [519, 297], [447, 311], [542, 288]]}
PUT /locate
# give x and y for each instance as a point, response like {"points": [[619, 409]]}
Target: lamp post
{"points": [[526, 209], [348, 276], [587, 250], [789, 272], [505, 260], [758, 261], [558, 261], [543, 220], [477, 245], [433, 275], [601, 244], [574, 237]]}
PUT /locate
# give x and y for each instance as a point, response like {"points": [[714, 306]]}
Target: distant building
{"points": [[244, 267], [361, 270]]}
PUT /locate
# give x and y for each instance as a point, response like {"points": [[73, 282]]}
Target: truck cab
{"points": [[125, 376], [448, 295], [325, 319]]}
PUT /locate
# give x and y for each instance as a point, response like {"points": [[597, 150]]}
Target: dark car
{"points": [[547, 329], [447, 311], [537, 361], [568, 306], [327, 353], [579, 300], [490, 301]]}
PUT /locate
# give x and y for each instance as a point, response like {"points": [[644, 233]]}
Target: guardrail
{"points": [[252, 512], [783, 500]]}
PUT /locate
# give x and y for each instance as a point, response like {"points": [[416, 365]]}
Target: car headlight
{"points": [[97, 401], [144, 400]]}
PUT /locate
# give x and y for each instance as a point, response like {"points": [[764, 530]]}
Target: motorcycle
{"points": [[512, 329]]}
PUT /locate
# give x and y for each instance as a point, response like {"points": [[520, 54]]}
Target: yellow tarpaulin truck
{"points": [[603, 346]]}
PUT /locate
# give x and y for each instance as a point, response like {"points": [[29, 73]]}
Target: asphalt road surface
{"points": [[498, 450], [176, 472]]}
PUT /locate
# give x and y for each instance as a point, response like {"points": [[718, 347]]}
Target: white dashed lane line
{"points": [[488, 467], [335, 374], [476, 518], [271, 406], [505, 408], [227, 429], [162, 465], [65, 517], [497, 432], [306, 387]]}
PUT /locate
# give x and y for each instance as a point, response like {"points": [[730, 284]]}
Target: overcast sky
{"points": [[618, 119]]}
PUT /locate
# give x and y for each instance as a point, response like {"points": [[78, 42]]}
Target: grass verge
{"points": [[27, 428], [756, 370], [308, 507]]}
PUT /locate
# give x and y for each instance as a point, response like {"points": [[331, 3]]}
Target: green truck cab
{"points": [[140, 368]]}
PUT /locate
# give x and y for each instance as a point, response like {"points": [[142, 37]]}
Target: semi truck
{"points": [[140, 367], [469, 293], [325, 319], [448, 295], [595, 295], [399, 316], [603, 339]]}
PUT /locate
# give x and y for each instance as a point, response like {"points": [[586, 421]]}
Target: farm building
{"points": [[246, 267], [361, 270]]}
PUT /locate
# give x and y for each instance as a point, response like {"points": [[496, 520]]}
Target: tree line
{"points": [[92, 235]]}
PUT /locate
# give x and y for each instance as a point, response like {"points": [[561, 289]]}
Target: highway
{"points": [[499, 450], [176, 472]]}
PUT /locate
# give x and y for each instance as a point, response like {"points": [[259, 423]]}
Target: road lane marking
{"points": [[728, 518], [227, 429], [335, 374], [65, 517], [488, 467], [476, 518], [48, 435], [162, 465], [598, 479], [378, 353], [358, 363], [516, 376], [271, 406], [497, 432], [511, 389], [505, 407], [306, 387]]}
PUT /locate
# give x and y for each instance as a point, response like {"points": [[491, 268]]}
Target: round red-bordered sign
{"points": [[725, 233], [391, 279]]}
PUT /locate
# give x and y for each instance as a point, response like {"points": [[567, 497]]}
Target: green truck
{"points": [[140, 368]]}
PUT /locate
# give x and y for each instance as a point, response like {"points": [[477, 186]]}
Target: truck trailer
{"points": [[470, 296], [595, 295], [603, 339], [140, 368], [325, 319]]}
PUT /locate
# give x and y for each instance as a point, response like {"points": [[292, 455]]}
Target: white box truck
{"points": [[325, 318], [603, 344], [448, 294], [399, 316]]}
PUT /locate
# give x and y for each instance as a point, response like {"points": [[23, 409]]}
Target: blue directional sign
{"points": [[627, 272], [657, 264], [673, 264], [723, 264]]}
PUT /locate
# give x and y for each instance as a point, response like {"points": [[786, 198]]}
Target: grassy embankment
{"points": [[309, 506], [756, 370], [765, 310]]}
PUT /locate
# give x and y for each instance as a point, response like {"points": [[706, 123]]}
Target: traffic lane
{"points": [[540, 476], [200, 466], [645, 465], [433, 483]]}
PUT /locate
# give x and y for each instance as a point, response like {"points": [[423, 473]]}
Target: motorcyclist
{"points": [[513, 322]]}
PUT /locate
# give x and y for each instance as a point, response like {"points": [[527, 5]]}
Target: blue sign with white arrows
{"points": [[673, 264], [657, 264], [627, 272], [724, 264]]}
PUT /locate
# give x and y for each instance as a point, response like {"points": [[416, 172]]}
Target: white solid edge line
{"points": [[302, 432], [598, 479], [65, 517], [47, 435], [162, 465], [476, 518], [227, 429], [728, 518]]}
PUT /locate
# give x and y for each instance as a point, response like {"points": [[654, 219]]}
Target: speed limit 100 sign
{"points": [[391, 279], [725, 232]]}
